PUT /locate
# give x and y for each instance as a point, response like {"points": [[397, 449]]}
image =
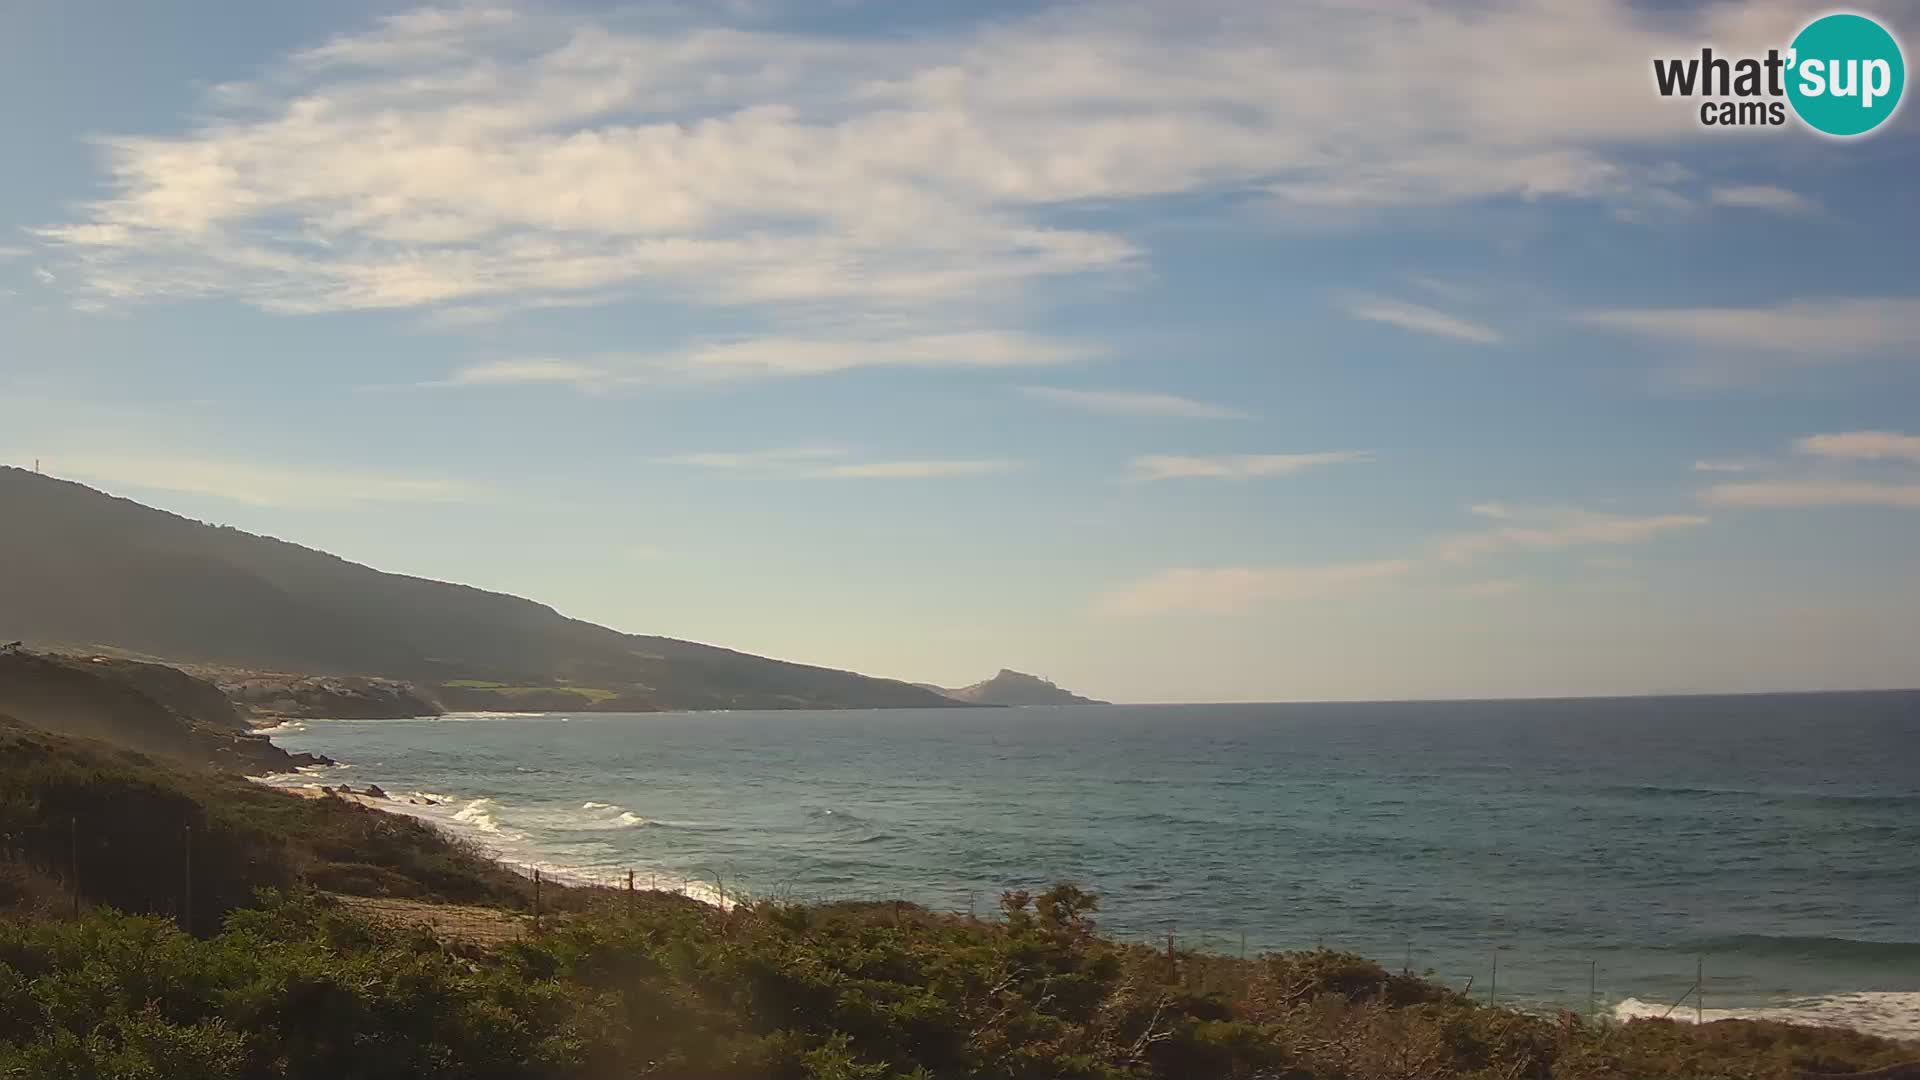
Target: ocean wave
{"points": [[432, 797], [590, 805], [1851, 799], [284, 727], [1889, 1014], [1832, 950], [479, 815], [628, 817]]}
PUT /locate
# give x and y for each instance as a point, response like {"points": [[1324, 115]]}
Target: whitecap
{"points": [[479, 814], [1889, 1014]]}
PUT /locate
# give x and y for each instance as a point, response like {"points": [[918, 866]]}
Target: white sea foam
{"points": [[596, 806], [284, 727], [479, 815], [435, 798], [628, 817], [1890, 1014]]}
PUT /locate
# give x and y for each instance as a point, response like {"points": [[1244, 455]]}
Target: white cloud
{"points": [[1133, 403], [1816, 329], [515, 372], [912, 470], [1727, 465], [1231, 590], [1862, 446], [980, 349], [468, 156], [1420, 320], [825, 463], [1554, 529], [1809, 493], [1239, 589], [1237, 466], [1762, 197], [294, 486], [8, 251], [778, 457], [770, 357], [45, 276]]}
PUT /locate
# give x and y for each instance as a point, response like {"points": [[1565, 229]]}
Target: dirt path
{"points": [[476, 925]]}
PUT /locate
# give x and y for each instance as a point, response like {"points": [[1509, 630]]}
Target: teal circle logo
{"points": [[1845, 74]]}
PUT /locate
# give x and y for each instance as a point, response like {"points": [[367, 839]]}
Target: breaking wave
{"points": [[1889, 1014]]}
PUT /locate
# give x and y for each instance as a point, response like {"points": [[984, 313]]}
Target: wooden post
{"points": [[629, 882], [1170, 945], [186, 888], [73, 860]]}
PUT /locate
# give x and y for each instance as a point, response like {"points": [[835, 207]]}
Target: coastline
{"points": [[475, 816]]}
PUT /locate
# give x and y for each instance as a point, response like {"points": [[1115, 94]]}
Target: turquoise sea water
{"points": [[1772, 840]]}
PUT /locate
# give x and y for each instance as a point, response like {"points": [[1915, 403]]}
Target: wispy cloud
{"points": [[827, 463], [1763, 197], [913, 470], [413, 163], [777, 357], [1554, 529], [1790, 494], [10, 251], [294, 486], [1419, 320], [520, 372], [1814, 329], [1862, 446], [793, 356], [1237, 466], [1727, 465], [778, 457], [1236, 590], [1133, 403], [45, 276], [1239, 589]]}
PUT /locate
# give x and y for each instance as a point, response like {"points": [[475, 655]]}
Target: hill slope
{"points": [[81, 567], [141, 706], [1015, 688]]}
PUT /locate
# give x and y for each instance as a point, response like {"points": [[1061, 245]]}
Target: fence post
{"points": [[73, 861], [629, 883], [186, 900], [1700, 991]]}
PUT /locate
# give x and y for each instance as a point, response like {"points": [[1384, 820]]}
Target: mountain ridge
{"points": [[81, 567]]}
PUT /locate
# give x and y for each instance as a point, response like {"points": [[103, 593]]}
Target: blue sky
{"points": [[1219, 352]]}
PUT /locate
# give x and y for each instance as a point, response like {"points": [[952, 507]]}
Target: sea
{"points": [[1597, 855]]}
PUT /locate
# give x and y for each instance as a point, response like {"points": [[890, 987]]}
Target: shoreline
{"points": [[514, 842]]}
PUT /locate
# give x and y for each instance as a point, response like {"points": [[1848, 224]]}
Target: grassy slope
{"points": [[122, 817]]}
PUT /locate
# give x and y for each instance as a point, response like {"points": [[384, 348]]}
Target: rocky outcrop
{"points": [[78, 697], [1011, 687]]}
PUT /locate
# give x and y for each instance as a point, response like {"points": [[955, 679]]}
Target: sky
{"points": [[1199, 352]]}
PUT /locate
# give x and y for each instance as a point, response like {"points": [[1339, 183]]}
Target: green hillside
{"points": [[80, 567]]}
